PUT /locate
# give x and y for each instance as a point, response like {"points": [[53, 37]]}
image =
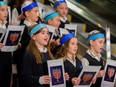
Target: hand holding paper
{"points": [[76, 81]]}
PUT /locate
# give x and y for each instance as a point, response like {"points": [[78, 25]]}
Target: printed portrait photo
{"points": [[110, 73], [86, 78], [56, 75]]}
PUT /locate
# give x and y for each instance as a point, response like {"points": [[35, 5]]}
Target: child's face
{"points": [[97, 45], [55, 22], [3, 13], [33, 14], [73, 46], [62, 9], [42, 38]]}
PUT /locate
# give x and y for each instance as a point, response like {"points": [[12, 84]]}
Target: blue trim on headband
{"points": [[96, 36], [66, 38], [37, 28], [51, 16], [29, 7], [59, 2], [3, 3]]}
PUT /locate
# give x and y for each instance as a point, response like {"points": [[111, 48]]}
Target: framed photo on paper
{"points": [[56, 72], [110, 74], [12, 38], [87, 74]]}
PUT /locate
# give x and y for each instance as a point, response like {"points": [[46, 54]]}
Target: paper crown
{"points": [[37, 28], [28, 5], [50, 15], [3, 3], [57, 3], [96, 36], [65, 38]]}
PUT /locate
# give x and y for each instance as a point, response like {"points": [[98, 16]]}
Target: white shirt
{"points": [[4, 25], [73, 62], [63, 19], [85, 62], [28, 23]]}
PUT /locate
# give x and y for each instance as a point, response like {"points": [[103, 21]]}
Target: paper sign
{"points": [[51, 30], [109, 79], [56, 72], [72, 28], [87, 74], [2, 33], [12, 38]]}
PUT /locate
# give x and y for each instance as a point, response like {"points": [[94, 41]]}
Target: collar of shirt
{"points": [[97, 57], [43, 50], [73, 62], [28, 23], [63, 19], [4, 25]]}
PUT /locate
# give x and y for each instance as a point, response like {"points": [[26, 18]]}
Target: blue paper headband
{"points": [[29, 7], [37, 28], [66, 38], [51, 16], [59, 2], [96, 36], [3, 3]]}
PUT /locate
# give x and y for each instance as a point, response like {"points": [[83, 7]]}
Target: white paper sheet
{"points": [[51, 30], [56, 72], [63, 31], [72, 28], [2, 33], [12, 38], [87, 74], [109, 79]]}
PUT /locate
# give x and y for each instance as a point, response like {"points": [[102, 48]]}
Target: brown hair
{"points": [[33, 48], [62, 52]]}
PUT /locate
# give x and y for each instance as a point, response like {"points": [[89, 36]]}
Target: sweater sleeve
{"points": [[28, 79]]}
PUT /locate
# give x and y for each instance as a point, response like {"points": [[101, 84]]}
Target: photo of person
{"points": [[86, 78], [110, 73], [13, 38], [56, 75]]}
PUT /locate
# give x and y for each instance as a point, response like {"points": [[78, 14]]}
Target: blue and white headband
{"points": [[96, 36], [37, 28], [50, 15], [59, 2], [66, 38], [29, 7], [3, 3]]}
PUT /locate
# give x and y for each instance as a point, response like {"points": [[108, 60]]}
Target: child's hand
{"points": [[66, 76], [12, 23], [94, 80], [45, 79], [57, 42], [76, 81], [101, 73], [1, 45]]}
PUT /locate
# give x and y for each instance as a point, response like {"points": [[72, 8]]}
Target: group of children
{"points": [[36, 47]]}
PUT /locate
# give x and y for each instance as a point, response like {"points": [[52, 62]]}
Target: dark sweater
{"points": [[31, 71], [94, 62], [72, 70]]}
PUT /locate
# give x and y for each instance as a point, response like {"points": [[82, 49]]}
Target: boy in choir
{"points": [[93, 54]]}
